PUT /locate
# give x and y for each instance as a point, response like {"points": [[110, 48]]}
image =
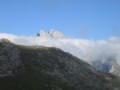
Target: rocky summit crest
{"points": [[54, 34]]}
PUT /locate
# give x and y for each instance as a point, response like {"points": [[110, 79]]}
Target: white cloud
{"points": [[88, 50]]}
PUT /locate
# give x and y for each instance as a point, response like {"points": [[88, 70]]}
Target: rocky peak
{"points": [[115, 68], [54, 34], [42, 34], [108, 66]]}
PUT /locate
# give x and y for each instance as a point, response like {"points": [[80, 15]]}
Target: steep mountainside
{"points": [[42, 68], [108, 66], [97, 51]]}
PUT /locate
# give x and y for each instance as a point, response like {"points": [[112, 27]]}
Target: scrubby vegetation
{"points": [[42, 68]]}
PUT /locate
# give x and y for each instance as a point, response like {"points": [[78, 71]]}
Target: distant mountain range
{"points": [[104, 55], [43, 68]]}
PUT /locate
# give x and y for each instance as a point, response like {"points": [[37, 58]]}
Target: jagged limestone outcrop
{"points": [[108, 66], [52, 34]]}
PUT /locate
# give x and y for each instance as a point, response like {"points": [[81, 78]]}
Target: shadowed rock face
{"points": [[42, 68], [108, 66]]}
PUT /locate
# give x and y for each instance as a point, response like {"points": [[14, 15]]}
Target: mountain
{"points": [[43, 68], [52, 34], [98, 53], [108, 66]]}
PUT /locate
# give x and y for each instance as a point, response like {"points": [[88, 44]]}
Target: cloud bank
{"points": [[88, 50]]}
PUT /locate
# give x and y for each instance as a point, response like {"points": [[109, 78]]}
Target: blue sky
{"points": [[88, 19]]}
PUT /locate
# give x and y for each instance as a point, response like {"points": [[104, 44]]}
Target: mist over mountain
{"points": [[92, 51], [45, 68]]}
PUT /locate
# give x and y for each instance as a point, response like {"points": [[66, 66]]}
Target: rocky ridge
{"points": [[108, 66], [43, 68], [52, 34]]}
